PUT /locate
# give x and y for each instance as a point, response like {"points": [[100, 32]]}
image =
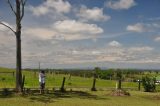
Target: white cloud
{"points": [[140, 49], [143, 27], [4, 28], [114, 44], [138, 27], [96, 52], [121, 4], [75, 27], [50, 6], [95, 14], [65, 30], [157, 39], [59, 5], [43, 33]]}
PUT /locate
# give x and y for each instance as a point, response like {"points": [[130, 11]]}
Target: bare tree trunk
{"points": [[19, 13], [18, 65], [18, 47]]}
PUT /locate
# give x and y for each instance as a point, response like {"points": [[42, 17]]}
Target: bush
{"points": [[148, 84]]}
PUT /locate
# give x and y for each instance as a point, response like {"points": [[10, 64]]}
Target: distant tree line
{"points": [[107, 74]]}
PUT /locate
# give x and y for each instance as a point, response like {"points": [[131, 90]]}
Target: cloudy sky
{"points": [[84, 34]]}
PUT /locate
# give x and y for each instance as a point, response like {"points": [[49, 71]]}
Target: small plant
{"points": [[149, 84]]}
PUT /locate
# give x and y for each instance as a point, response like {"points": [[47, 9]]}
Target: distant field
{"points": [[54, 80]]}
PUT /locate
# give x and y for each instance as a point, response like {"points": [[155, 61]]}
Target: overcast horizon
{"points": [[84, 34]]}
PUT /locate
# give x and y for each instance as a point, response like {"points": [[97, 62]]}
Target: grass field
{"points": [[7, 80], [79, 96], [86, 98]]}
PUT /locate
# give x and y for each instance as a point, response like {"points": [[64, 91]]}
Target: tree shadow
{"points": [[6, 94], [57, 95], [52, 96]]}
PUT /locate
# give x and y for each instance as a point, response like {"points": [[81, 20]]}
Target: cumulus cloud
{"points": [[143, 27], [59, 6], [73, 26], [114, 44], [121, 4], [65, 30], [138, 27], [95, 14], [43, 33]]}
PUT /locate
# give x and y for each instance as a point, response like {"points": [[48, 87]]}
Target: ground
{"points": [[82, 98]]}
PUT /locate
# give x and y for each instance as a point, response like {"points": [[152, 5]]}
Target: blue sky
{"points": [[84, 33]]}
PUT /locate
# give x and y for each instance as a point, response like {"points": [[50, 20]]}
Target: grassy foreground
{"points": [[86, 98], [79, 96]]}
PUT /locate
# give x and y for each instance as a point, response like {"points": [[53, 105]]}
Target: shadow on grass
{"points": [[52, 96], [6, 94], [57, 95]]}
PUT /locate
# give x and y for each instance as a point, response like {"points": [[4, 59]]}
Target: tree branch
{"points": [[11, 7], [8, 27], [23, 2]]}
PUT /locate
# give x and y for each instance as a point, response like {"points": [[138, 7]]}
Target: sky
{"points": [[84, 34]]}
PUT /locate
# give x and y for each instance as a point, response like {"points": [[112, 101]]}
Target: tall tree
{"points": [[18, 11]]}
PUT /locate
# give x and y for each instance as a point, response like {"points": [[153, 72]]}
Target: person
{"points": [[42, 81]]}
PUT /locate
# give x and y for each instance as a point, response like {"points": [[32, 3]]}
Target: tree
{"points": [[19, 14], [119, 78], [149, 84], [97, 71]]}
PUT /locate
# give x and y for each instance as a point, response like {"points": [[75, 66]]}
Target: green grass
{"points": [[55, 80], [80, 95], [86, 98]]}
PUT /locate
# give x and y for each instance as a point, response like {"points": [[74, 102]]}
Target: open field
{"points": [[78, 96], [7, 80], [86, 98]]}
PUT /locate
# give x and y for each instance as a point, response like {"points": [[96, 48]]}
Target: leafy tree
{"points": [[97, 71], [149, 84]]}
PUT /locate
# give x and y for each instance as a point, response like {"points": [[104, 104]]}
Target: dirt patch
{"points": [[120, 92]]}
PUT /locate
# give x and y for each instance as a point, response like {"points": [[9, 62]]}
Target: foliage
{"points": [[149, 84]]}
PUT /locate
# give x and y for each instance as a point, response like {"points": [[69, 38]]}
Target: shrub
{"points": [[148, 84]]}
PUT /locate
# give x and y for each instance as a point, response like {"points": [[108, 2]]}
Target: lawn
{"points": [[82, 98]]}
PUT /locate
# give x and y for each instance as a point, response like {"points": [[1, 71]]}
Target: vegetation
{"points": [[149, 84]]}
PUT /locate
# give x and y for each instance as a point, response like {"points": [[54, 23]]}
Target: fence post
{"points": [[13, 74], [93, 86], [62, 87], [23, 80], [139, 85]]}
